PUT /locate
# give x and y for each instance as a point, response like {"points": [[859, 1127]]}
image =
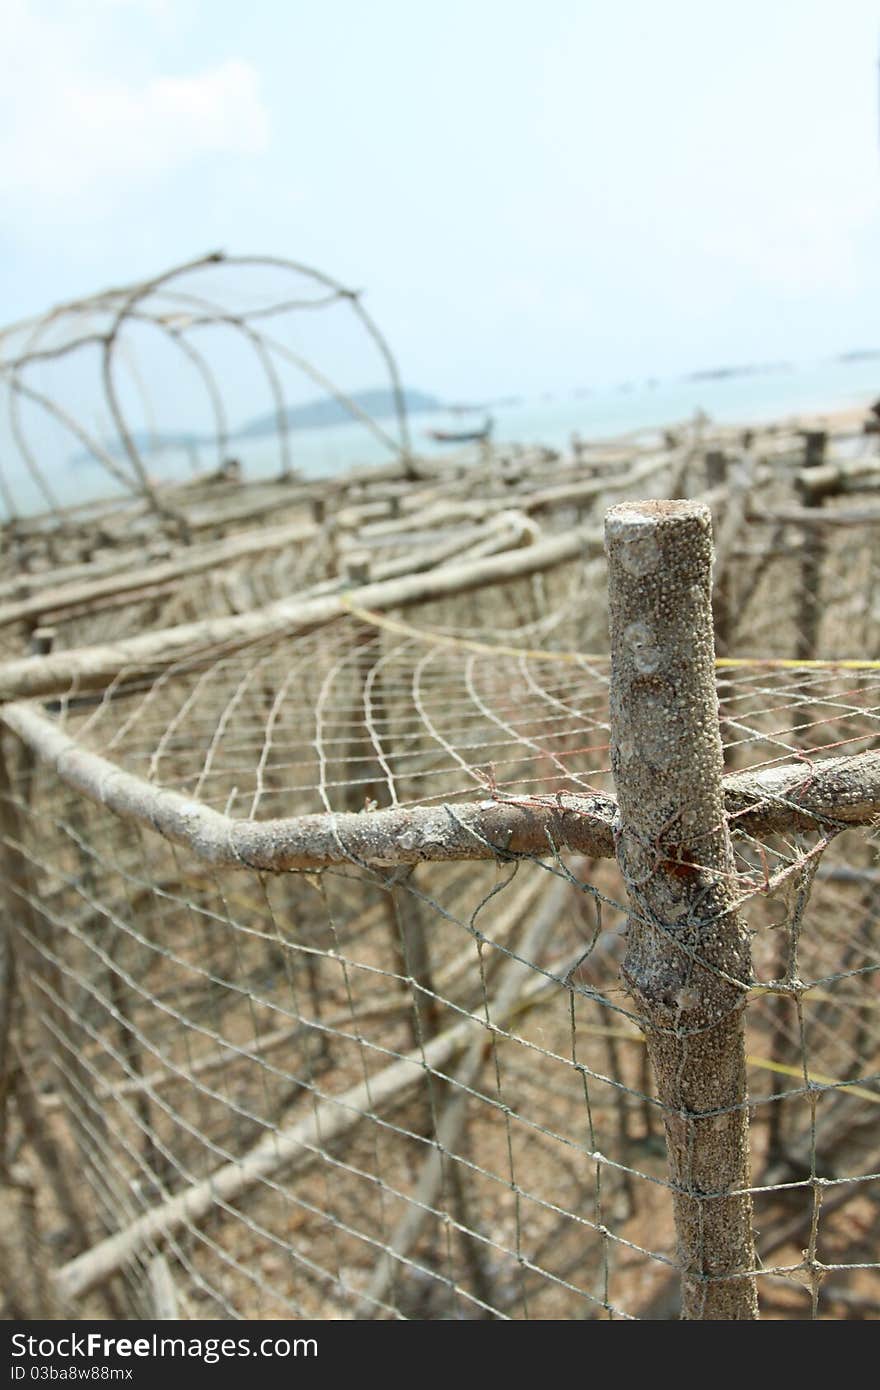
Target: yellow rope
{"points": [[815, 1078], [442, 639], [790, 664], [763, 1063]]}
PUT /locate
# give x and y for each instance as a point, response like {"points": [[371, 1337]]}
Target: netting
{"points": [[112, 406], [382, 940], [221, 547], [419, 1089]]}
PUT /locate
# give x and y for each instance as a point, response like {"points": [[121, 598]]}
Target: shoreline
{"points": [[261, 466]]}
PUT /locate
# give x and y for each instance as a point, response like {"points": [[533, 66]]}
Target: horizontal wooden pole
{"points": [[457, 510], [794, 796], [832, 479], [817, 516], [130, 581], [91, 668], [194, 561]]}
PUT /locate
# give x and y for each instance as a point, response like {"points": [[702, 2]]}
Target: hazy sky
{"points": [[535, 194]]}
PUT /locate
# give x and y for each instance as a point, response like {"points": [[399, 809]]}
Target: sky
{"points": [[534, 195]]}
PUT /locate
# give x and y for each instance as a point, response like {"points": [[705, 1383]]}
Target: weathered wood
{"points": [[687, 963], [813, 517], [90, 668], [716, 467], [446, 513], [793, 796], [400, 836], [513, 976], [501, 532], [836, 479], [812, 557], [815, 443], [195, 561], [163, 1292]]}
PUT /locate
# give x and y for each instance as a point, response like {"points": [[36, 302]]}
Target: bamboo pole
{"points": [[687, 964], [739, 476]]}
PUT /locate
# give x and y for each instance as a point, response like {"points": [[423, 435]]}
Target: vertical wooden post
{"points": [[410, 948], [715, 461], [815, 442], [807, 640], [360, 754], [688, 962], [357, 570], [716, 468], [784, 1050], [42, 641]]}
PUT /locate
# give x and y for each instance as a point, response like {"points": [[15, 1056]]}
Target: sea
{"points": [[551, 419]]}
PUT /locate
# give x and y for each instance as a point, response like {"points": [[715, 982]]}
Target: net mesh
{"points": [[421, 1090], [313, 993]]}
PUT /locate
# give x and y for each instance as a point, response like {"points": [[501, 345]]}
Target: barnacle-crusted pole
{"points": [[687, 964]]}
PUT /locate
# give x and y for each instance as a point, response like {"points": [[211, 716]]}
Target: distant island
{"points": [[322, 413], [749, 369], [858, 355], [319, 414]]}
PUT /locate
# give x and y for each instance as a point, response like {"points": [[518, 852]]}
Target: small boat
{"points": [[463, 436]]}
